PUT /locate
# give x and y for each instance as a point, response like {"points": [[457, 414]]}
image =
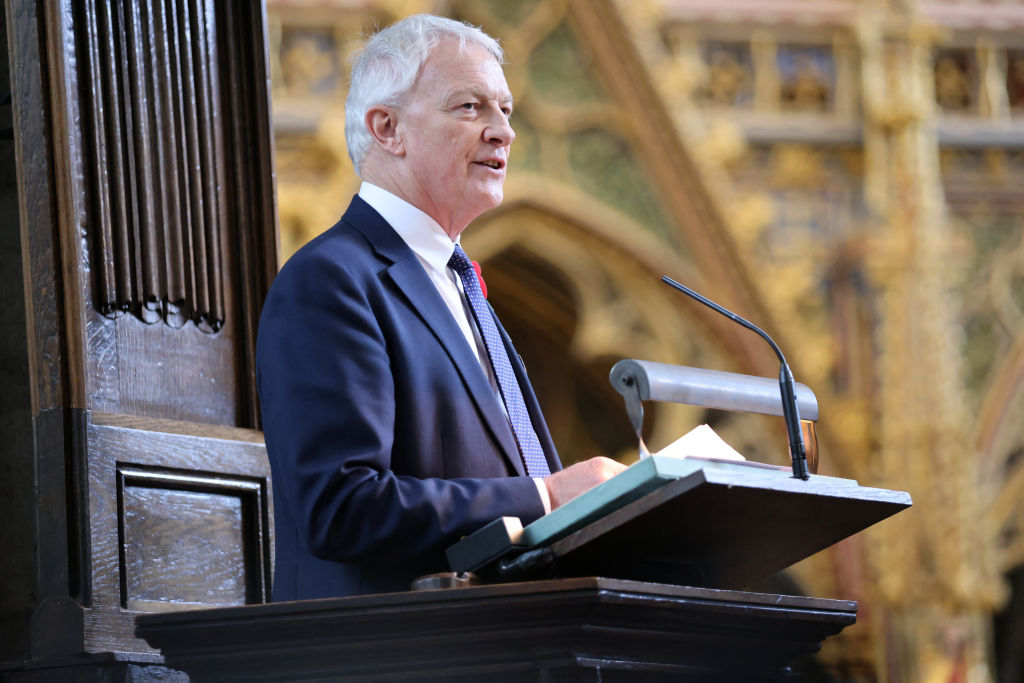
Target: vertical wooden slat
{"points": [[146, 190], [134, 180], [150, 30], [110, 60], [225, 242], [121, 74], [205, 65], [171, 242], [104, 265], [219, 169], [239, 153], [180, 92], [209, 86], [193, 173]]}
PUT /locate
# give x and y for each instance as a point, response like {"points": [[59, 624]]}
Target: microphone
{"points": [[790, 410]]}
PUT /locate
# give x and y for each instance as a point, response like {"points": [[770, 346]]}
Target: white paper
{"points": [[701, 442]]}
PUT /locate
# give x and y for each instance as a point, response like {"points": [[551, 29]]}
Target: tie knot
{"points": [[459, 262], [463, 267]]}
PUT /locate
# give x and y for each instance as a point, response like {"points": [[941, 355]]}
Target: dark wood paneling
{"points": [[17, 536], [35, 213], [164, 184], [249, 174], [176, 521], [590, 629], [103, 668], [151, 105], [188, 539], [146, 221], [157, 371]]}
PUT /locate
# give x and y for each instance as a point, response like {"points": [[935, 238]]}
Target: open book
{"points": [[698, 449], [708, 519], [701, 442]]}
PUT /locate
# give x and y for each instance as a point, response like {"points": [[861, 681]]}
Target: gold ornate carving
{"points": [[891, 254], [955, 80], [808, 195], [936, 574], [730, 76], [807, 74]]}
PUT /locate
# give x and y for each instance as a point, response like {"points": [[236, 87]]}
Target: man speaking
{"points": [[397, 414]]}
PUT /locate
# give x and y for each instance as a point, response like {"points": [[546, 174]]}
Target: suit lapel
{"points": [[409, 277]]}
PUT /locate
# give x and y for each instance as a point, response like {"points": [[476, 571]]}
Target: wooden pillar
{"points": [[137, 243]]}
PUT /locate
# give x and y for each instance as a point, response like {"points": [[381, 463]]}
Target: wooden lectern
{"points": [[715, 524], [713, 527], [538, 612]]}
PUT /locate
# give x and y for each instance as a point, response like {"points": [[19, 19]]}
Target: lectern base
{"points": [[581, 629]]}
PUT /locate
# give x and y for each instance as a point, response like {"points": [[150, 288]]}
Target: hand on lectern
{"points": [[565, 485]]}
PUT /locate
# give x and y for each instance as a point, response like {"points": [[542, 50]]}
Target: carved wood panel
{"points": [[189, 538], [164, 181], [176, 518], [151, 108]]}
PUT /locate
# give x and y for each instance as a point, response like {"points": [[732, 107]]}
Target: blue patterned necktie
{"points": [[515, 406]]}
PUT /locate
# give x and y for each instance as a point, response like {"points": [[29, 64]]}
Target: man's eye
{"points": [[468, 106], [507, 111]]}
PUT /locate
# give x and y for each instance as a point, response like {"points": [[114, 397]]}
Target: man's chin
{"points": [[489, 199]]}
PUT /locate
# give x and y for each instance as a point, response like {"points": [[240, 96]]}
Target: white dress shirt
{"points": [[433, 249]]}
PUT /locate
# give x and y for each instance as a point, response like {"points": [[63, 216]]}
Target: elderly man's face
{"points": [[456, 135]]}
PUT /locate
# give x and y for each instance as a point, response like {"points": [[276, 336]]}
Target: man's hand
{"points": [[565, 485]]}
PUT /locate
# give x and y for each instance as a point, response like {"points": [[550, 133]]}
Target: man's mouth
{"points": [[492, 163]]}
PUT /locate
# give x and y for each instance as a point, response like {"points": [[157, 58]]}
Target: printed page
{"points": [[701, 442]]}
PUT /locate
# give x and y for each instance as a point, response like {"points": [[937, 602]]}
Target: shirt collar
{"points": [[419, 231]]}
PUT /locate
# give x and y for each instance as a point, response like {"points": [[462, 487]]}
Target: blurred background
{"points": [[847, 174]]}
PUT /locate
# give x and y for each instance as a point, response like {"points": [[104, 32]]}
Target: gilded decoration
{"points": [[844, 172]]}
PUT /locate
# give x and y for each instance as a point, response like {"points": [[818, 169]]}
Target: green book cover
{"points": [[636, 481], [633, 483]]}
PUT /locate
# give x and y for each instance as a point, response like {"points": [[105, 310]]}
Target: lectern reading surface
{"points": [[702, 523]]}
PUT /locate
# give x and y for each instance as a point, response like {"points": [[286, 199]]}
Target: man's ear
{"points": [[382, 122]]}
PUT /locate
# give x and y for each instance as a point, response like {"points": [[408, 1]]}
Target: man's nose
{"points": [[499, 130]]}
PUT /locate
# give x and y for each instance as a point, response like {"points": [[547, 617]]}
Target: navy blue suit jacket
{"points": [[385, 439]]}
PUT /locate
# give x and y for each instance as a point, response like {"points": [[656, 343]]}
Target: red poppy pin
{"points": [[480, 278]]}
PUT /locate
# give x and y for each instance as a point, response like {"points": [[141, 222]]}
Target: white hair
{"points": [[385, 69]]}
